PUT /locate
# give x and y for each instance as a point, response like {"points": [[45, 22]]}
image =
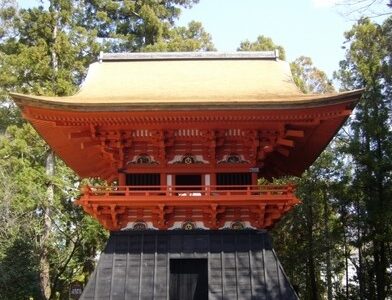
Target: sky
{"points": [[311, 28]]}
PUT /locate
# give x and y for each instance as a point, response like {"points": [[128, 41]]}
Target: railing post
{"points": [[289, 189], [168, 190], [85, 190]]}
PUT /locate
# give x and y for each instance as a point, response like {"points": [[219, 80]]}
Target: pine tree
{"points": [[366, 65]]}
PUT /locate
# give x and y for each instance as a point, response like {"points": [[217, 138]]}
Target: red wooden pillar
{"points": [[212, 179], [122, 179], [254, 178], [163, 179]]}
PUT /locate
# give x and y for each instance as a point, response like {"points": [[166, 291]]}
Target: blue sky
{"points": [[312, 28], [304, 27]]}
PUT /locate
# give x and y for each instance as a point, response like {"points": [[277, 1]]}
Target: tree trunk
{"points": [[312, 288], [346, 266], [45, 280], [380, 246], [380, 269], [327, 248], [360, 269], [47, 228]]}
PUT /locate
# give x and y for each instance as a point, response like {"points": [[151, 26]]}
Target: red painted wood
{"points": [[261, 205], [100, 143], [267, 142]]}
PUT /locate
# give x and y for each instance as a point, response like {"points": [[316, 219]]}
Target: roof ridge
{"points": [[145, 56]]}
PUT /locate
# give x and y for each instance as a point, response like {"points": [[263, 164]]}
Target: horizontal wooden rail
{"points": [[209, 191], [116, 206]]}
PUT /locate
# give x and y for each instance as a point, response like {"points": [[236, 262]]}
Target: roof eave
{"points": [[306, 101]]}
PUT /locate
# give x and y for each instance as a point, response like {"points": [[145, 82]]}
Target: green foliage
{"points": [[75, 238], [183, 39], [308, 78], [18, 268], [131, 25], [262, 43], [368, 65], [309, 240], [27, 58]]}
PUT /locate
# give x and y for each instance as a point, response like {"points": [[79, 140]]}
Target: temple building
{"points": [[187, 142]]}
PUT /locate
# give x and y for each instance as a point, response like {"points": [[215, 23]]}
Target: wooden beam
{"points": [[346, 112], [88, 144], [285, 142], [295, 133], [79, 135], [285, 152]]}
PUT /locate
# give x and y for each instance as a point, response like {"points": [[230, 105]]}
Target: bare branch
{"points": [[355, 9]]}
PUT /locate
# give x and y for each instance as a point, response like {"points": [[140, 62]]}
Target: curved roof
{"points": [[175, 80], [159, 92]]}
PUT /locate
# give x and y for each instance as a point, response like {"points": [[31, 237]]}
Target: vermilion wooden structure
{"points": [[262, 206], [185, 137]]}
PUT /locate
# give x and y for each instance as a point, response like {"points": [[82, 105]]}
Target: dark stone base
{"points": [[241, 265]]}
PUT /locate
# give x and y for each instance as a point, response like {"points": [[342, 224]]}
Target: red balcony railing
{"points": [[217, 192], [115, 206]]}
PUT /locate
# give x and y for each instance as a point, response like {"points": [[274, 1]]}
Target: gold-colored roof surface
{"points": [[167, 80]]}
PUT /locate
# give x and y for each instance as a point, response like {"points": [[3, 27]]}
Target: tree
{"points": [[262, 43], [310, 239], [44, 56], [367, 64], [345, 216], [184, 39], [31, 61], [308, 78], [130, 25], [74, 238]]}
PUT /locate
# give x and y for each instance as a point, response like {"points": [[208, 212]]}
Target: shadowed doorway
{"points": [[194, 179], [188, 279]]}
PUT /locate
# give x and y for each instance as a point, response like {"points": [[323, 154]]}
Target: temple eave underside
{"points": [[277, 142]]}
